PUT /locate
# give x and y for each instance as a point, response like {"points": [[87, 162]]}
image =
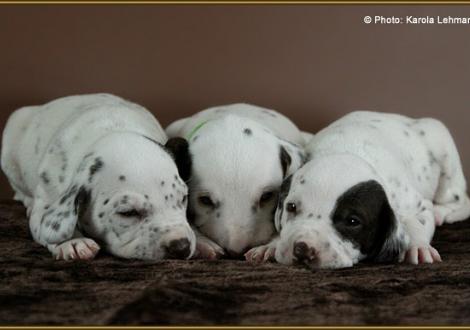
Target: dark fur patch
{"points": [[179, 149], [55, 226], [247, 132], [283, 192], [45, 177], [366, 202], [95, 167], [122, 178], [82, 201], [286, 160], [71, 192]]}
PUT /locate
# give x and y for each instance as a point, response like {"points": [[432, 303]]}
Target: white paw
{"points": [[422, 255], [76, 249], [207, 249], [261, 254]]}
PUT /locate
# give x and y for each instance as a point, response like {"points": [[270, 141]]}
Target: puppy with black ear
{"points": [[375, 187], [94, 171], [240, 155]]}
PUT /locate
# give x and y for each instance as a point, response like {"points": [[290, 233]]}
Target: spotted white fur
{"points": [[95, 166]]}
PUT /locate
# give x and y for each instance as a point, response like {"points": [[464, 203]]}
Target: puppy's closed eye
{"points": [[132, 213], [266, 197]]}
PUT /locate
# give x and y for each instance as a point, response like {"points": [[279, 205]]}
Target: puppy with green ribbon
{"points": [[240, 154]]}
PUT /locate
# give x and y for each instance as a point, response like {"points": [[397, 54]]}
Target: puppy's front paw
{"points": [[261, 254], [76, 249], [207, 249], [422, 255]]}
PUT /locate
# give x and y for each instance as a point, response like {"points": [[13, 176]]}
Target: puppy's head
{"points": [[333, 213], [134, 200], [237, 170]]}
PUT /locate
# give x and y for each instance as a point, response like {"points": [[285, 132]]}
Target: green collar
{"points": [[195, 129]]}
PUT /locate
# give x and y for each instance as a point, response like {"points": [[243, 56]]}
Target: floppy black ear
{"points": [[179, 149], [284, 191], [292, 157], [388, 244]]}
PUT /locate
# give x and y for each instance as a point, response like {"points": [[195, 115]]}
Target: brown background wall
{"points": [[314, 63]]}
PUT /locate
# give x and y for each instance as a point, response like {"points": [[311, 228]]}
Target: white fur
{"points": [[49, 153], [235, 168], [415, 161]]}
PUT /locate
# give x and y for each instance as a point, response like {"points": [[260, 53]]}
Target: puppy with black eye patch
{"points": [[240, 154], [93, 178], [369, 192]]}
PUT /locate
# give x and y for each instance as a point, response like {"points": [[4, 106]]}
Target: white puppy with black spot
{"points": [[96, 166], [240, 155], [375, 187]]}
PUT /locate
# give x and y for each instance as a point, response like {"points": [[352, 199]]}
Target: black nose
{"points": [[179, 249], [304, 253]]}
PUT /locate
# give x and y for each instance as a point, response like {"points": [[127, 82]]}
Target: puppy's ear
{"points": [[54, 216], [179, 149], [390, 242], [291, 157], [285, 187], [53, 223]]}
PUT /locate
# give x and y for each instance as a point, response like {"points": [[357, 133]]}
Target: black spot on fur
{"points": [[95, 167], [45, 177], [122, 178], [162, 183], [55, 226], [247, 132], [422, 133], [105, 201], [302, 181], [456, 198], [101, 214]]}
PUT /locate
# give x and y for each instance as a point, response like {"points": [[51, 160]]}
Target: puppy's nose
{"points": [[178, 249], [304, 253]]}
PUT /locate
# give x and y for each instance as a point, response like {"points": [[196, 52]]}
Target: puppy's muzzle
{"points": [[178, 249]]}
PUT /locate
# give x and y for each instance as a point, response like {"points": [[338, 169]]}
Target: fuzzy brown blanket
{"points": [[36, 290]]}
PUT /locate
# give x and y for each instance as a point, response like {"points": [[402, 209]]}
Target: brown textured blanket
{"points": [[34, 289]]}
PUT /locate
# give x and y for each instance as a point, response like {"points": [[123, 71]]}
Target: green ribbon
{"points": [[195, 129]]}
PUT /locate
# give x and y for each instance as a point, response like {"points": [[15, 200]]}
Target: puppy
{"points": [[374, 189], [92, 171], [240, 155]]}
